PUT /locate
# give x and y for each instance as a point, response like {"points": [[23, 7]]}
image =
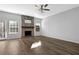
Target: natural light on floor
{"points": [[36, 44]]}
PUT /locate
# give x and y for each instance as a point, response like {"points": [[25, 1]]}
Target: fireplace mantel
{"points": [[27, 26]]}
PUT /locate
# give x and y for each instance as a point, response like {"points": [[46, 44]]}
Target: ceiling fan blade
{"points": [[41, 7], [46, 9], [45, 5]]}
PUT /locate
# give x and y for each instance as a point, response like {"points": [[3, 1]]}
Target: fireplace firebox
{"points": [[28, 33]]}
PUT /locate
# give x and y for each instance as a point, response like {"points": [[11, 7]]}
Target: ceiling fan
{"points": [[42, 7]]}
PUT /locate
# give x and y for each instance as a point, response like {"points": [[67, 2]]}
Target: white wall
{"points": [[9, 16], [37, 20], [63, 26]]}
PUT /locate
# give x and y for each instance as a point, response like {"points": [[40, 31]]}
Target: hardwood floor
{"points": [[50, 46]]}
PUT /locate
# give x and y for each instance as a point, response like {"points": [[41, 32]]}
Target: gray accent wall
{"points": [[64, 26], [4, 16]]}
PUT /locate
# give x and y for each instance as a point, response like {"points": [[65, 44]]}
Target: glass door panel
{"points": [[2, 29]]}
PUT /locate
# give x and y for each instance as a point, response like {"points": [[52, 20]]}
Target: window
{"points": [[37, 26], [13, 27]]}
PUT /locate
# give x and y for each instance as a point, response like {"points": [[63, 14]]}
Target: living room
{"points": [[39, 29]]}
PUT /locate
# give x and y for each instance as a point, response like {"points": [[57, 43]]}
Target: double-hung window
{"points": [[13, 27]]}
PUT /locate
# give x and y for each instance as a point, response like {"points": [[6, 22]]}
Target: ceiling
{"points": [[31, 10]]}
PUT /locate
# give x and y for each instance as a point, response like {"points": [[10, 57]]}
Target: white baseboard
{"points": [[61, 38]]}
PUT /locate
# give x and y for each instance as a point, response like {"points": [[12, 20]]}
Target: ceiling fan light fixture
{"points": [[42, 7]]}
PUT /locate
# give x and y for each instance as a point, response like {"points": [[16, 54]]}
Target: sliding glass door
{"points": [[2, 29]]}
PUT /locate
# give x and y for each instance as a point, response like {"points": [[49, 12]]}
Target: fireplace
{"points": [[28, 33], [27, 25]]}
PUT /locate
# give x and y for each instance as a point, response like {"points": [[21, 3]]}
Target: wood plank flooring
{"points": [[50, 46]]}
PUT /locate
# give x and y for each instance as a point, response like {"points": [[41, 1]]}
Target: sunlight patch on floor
{"points": [[36, 44]]}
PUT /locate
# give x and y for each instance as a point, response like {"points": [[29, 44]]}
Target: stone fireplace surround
{"points": [[27, 28]]}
